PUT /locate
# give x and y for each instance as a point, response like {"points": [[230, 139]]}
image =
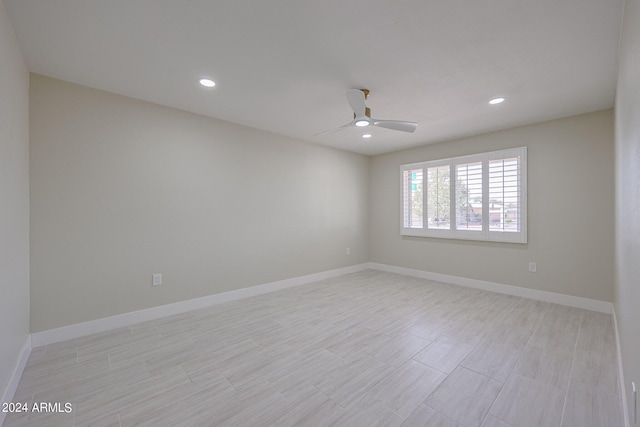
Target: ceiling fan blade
{"points": [[356, 100], [334, 130], [396, 125]]}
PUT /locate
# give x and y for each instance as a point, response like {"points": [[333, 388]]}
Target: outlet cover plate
{"points": [[157, 279]]}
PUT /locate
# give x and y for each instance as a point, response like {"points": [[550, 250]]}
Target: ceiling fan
{"points": [[362, 115]]}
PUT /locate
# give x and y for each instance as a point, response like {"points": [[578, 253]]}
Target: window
{"points": [[479, 197]]}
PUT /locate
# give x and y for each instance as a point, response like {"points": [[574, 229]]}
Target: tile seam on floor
{"points": [[573, 359], [514, 366]]}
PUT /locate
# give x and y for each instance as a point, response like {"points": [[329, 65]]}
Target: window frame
{"points": [[486, 233]]}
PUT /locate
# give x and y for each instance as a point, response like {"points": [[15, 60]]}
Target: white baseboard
{"points": [[122, 320], [569, 300], [623, 389], [16, 375]]}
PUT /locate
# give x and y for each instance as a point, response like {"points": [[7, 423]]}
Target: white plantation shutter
{"points": [[507, 196], [484, 194], [412, 198], [468, 201], [504, 195], [438, 197]]}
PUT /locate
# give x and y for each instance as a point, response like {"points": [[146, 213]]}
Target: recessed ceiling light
{"points": [[496, 101], [207, 82], [366, 135]]}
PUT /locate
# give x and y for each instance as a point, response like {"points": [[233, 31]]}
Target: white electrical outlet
{"points": [[157, 279], [533, 267], [348, 251]]}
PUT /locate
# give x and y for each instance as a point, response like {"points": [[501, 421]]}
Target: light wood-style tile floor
{"points": [[364, 349]]}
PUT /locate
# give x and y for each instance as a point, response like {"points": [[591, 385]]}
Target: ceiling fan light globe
{"points": [[362, 122]]}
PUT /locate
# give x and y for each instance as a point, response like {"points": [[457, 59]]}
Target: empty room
{"points": [[290, 213]]}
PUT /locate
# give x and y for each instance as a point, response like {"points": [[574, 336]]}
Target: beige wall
{"points": [[627, 287], [14, 202], [570, 211], [122, 189]]}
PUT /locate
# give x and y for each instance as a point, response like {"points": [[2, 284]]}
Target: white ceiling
{"points": [[284, 65]]}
